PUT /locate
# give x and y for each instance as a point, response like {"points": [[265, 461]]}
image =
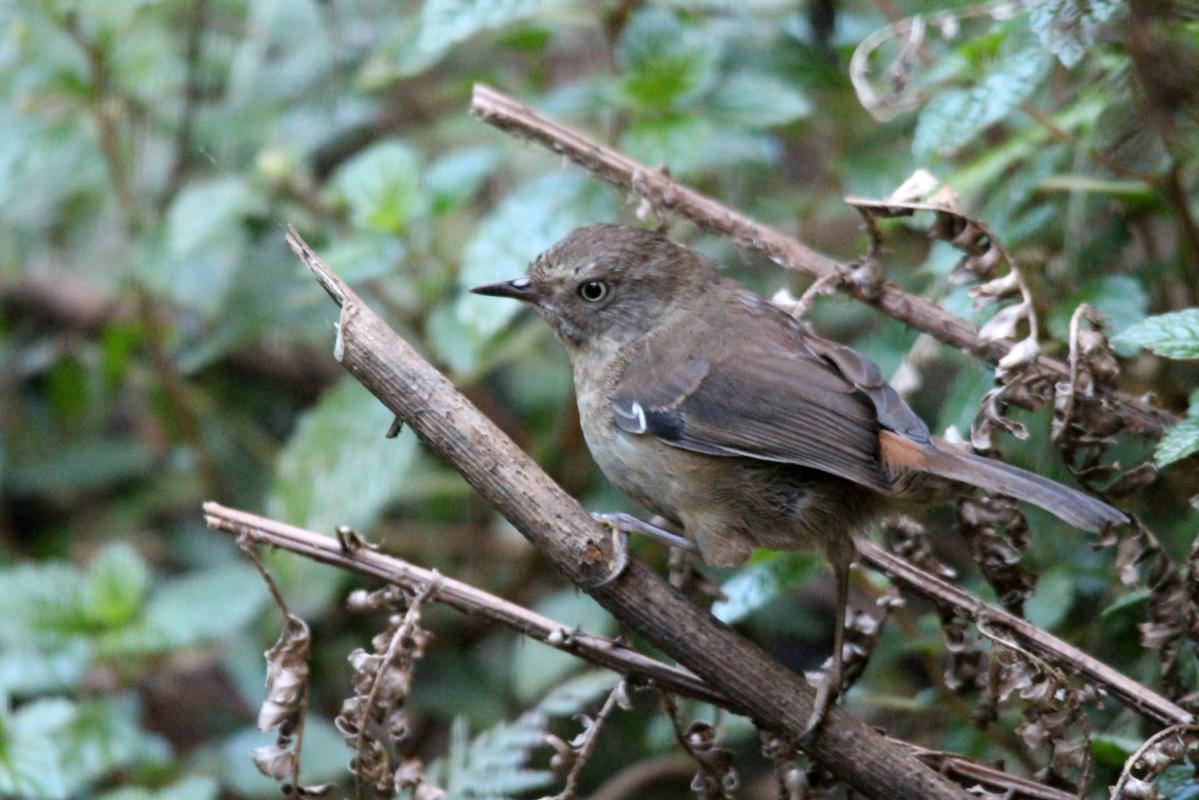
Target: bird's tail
{"points": [[944, 460]]}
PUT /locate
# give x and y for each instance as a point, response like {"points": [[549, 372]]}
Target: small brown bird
{"points": [[714, 409]]}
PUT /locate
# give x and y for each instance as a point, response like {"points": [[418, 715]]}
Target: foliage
{"points": [[159, 346], [1174, 335]]}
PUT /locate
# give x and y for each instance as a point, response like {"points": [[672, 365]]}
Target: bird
{"points": [[724, 415]]}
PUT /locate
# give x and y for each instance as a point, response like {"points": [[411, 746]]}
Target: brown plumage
{"points": [[716, 410]]}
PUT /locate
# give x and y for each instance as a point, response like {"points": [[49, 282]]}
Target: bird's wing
{"points": [[760, 389]]}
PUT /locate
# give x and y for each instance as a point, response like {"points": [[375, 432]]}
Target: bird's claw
{"points": [[620, 549]]}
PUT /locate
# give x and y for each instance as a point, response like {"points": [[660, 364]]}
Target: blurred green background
{"points": [[160, 345]]}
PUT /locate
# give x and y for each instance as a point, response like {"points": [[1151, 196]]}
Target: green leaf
{"points": [[568, 697], [663, 62], [206, 212], [1113, 750], [955, 117], [444, 23], [53, 748], [364, 256], [116, 585], [528, 221], [1179, 442], [337, 468], [1125, 601], [1173, 335], [454, 178], [1178, 783], [766, 578], [88, 465], [1067, 28], [381, 185], [195, 608], [26, 670], [42, 603], [30, 766], [1052, 599], [756, 100]]}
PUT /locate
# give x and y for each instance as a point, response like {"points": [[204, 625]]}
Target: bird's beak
{"points": [[518, 289]]}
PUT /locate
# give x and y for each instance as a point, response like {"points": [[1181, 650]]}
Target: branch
{"points": [[598, 650], [1044, 645], [501, 111], [772, 695], [639, 669]]}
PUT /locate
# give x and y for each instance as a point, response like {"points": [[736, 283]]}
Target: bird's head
{"points": [[605, 286]]}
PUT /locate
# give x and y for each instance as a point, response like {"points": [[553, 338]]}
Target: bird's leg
{"points": [[630, 524], [621, 525], [830, 686]]}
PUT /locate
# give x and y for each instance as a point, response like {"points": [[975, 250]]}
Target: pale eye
{"points": [[593, 291]]}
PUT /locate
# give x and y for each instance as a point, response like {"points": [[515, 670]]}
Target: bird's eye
{"points": [[593, 291]]}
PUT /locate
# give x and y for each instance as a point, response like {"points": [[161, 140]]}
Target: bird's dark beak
{"points": [[518, 289]]}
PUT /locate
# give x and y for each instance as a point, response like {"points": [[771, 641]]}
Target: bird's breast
{"points": [[654, 474]]}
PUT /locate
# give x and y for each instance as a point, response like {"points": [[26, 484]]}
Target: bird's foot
{"points": [[630, 524], [621, 525], [620, 550], [825, 697]]}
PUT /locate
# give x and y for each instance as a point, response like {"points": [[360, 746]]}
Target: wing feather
{"points": [[767, 392]]}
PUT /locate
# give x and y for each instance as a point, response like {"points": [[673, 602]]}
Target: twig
{"points": [[1045, 645], [286, 704], [970, 772], [597, 650], [662, 192], [98, 74], [191, 98], [398, 638], [590, 740], [768, 692], [1135, 759], [715, 774], [468, 599]]}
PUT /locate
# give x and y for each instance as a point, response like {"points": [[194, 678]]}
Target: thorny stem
{"points": [[1134, 760], [936, 677], [663, 193], [1071, 698], [468, 599], [249, 546], [598, 650], [411, 620], [1047, 646], [670, 707], [589, 742]]}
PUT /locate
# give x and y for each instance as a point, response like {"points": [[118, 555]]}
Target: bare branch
{"points": [[640, 669], [599, 650], [1044, 645], [661, 192]]}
